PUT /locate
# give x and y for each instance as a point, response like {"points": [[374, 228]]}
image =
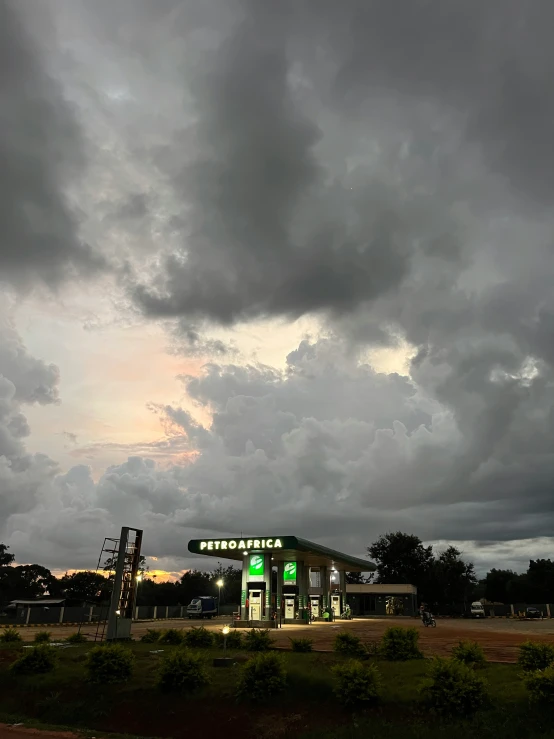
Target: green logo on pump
{"points": [[256, 565], [289, 573]]}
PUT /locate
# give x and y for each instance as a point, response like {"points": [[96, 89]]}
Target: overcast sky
{"points": [[276, 268]]}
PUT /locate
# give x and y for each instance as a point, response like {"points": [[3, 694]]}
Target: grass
{"points": [[64, 698]]}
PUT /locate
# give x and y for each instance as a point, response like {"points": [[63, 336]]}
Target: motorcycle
{"points": [[428, 620]]}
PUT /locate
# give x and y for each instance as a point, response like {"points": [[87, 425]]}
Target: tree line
{"points": [[443, 578], [27, 582]]}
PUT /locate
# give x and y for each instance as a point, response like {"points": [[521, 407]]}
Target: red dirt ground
{"points": [[21, 732], [498, 637]]}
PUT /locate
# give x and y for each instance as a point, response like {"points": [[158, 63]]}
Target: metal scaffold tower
{"points": [[124, 593], [124, 554]]}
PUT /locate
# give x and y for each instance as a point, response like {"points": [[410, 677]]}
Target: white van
{"points": [[477, 610]]}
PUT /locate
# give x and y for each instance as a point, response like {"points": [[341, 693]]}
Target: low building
{"points": [[19, 607], [371, 599]]}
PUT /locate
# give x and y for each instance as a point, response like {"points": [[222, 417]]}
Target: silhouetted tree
{"points": [[451, 579], [109, 565], [6, 558], [85, 586], [402, 558]]}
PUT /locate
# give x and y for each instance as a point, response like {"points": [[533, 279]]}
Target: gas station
{"points": [[310, 578]]}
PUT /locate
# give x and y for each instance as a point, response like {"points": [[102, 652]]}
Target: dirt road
{"points": [[499, 637], [21, 732]]}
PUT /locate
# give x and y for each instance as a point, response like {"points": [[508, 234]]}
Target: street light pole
{"points": [[219, 584]]}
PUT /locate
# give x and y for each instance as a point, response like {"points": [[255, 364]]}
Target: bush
{"points": [[262, 677], [399, 644], [198, 637], [171, 636], [258, 640], [470, 653], [234, 639], [181, 671], [453, 688], [347, 643], [302, 645], [77, 638], [151, 636], [9, 634], [42, 637], [36, 660], [540, 685], [535, 656], [110, 663], [357, 683]]}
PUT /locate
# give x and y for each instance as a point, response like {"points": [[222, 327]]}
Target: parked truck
{"points": [[203, 607]]}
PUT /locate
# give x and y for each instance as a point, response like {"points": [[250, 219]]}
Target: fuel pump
{"points": [[316, 606], [290, 606], [335, 605], [255, 605]]}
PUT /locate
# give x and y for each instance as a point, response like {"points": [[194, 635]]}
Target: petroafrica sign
{"points": [[205, 546]]}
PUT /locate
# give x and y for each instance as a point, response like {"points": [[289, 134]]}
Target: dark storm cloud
{"points": [[490, 61], [384, 165], [41, 149], [275, 226], [269, 232]]}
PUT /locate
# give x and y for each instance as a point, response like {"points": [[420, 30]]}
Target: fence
{"points": [[461, 610], [38, 615]]}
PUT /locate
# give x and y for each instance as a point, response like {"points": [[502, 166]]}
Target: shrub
{"points": [[9, 634], [258, 640], [453, 688], [36, 660], [77, 638], [110, 663], [171, 636], [262, 677], [234, 639], [399, 644], [470, 653], [151, 636], [182, 671], [540, 685], [198, 637], [302, 645], [42, 637], [357, 683], [347, 643], [535, 656]]}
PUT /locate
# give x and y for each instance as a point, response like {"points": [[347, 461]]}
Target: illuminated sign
{"points": [[256, 568], [289, 573], [238, 547], [211, 545]]}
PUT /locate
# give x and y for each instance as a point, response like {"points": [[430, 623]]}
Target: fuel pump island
{"points": [[310, 579]]}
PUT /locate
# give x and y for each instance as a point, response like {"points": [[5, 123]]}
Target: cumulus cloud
{"points": [[24, 380], [328, 449]]}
